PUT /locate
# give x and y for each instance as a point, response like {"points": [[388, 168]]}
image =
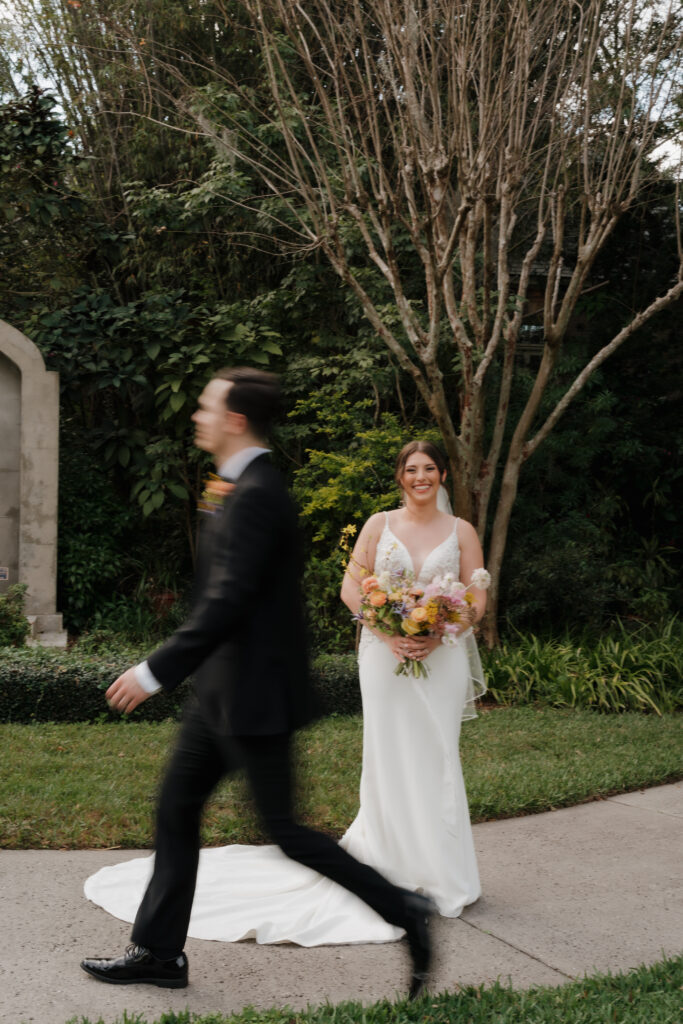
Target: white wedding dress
{"points": [[413, 824]]}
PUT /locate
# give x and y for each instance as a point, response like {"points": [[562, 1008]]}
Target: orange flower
{"points": [[369, 583], [416, 591], [419, 614], [377, 598], [220, 487]]}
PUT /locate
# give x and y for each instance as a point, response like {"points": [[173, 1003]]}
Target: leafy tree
{"points": [[174, 250], [438, 154], [41, 217]]}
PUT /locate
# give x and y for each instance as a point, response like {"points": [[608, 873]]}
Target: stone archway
{"points": [[29, 473]]}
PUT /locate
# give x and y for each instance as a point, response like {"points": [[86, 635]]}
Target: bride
{"points": [[413, 823]]}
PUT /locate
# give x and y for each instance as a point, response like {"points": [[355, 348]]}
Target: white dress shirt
{"points": [[233, 469]]}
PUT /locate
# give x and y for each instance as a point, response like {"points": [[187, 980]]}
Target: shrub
{"points": [[114, 566], [38, 685], [624, 671], [638, 670], [335, 679], [14, 626], [93, 527]]}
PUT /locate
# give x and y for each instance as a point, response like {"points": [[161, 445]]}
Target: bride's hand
{"points": [[422, 646], [402, 647], [411, 647]]}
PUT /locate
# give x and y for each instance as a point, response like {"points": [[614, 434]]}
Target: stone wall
{"points": [[10, 459], [29, 467]]}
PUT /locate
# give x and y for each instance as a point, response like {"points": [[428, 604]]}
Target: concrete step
{"points": [[46, 623], [49, 638]]}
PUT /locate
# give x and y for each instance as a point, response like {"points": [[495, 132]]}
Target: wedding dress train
{"points": [[413, 824]]}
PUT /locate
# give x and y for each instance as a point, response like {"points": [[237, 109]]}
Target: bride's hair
{"points": [[418, 446]]}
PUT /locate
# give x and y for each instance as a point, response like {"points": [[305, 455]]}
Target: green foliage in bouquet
{"points": [[14, 626]]}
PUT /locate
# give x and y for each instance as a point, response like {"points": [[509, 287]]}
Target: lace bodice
{"points": [[393, 556]]}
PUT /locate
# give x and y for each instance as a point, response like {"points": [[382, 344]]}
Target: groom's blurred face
{"points": [[211, 420]]}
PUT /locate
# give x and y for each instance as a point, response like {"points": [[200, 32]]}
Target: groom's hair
{"points": [[254, 394], [427, 448]]}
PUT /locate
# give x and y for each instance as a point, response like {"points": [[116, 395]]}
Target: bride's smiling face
{"points": [[421, 478]]}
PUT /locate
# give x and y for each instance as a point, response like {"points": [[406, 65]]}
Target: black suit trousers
{"points": [[200, 760]]}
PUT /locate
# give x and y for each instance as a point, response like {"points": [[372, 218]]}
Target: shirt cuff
{"points": [[147, 681]]}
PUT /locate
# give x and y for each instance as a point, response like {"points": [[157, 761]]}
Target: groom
{"points": [[245, 642]]}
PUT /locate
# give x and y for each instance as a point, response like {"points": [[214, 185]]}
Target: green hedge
{"points": [[41, 685], [625, 670]]}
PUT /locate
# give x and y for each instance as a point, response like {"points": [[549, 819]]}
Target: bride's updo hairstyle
{"points": [[427, 448]]}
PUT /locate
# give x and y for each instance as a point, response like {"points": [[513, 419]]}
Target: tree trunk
{"points": [[501, 523]]}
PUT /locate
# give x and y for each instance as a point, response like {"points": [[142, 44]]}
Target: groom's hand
{"points": [[126, 693]]}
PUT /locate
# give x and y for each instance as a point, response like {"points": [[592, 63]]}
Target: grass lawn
{"points": [[649, 995], [94, 785]]}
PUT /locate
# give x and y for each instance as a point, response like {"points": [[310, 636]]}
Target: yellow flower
{"points": [[347, 532], [410, 627], [432, 612]]}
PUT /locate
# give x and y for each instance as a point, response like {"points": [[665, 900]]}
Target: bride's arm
{"points": [[471, 558], [361, 562]]}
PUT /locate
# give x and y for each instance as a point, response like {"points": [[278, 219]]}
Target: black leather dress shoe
{"points": [[139, 966], [419, 911]]}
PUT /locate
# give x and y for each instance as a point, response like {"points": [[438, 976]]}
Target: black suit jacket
{"points": [[245, 638]]}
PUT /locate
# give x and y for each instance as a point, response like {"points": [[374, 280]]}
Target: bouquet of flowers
{"points": [[397, 606]]}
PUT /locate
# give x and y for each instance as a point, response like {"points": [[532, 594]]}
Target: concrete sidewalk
{"points": [[587, 889]]}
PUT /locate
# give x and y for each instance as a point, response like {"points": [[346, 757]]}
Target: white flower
{"points": [[449, 639], [481, 579]]}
